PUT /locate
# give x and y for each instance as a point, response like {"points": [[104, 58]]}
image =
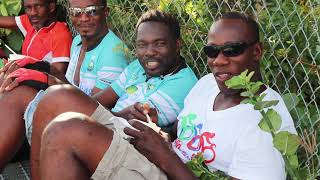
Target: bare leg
{"points": [[12, 130], [57, 100], [72, 147]]}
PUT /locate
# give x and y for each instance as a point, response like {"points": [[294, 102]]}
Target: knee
{"points": [[19, 95], [62, 98], [63, 129], [57, 95]]}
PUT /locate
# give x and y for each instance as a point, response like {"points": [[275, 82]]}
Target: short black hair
{"points": [[162, 17], [46, 1], [252, 24]]}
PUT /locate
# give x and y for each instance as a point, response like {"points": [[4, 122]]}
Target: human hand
{"points": [[8, 68], [138, 111], [28, 77], [149, 143], [26, 60]]}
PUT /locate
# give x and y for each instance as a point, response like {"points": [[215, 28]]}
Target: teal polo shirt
{"points": [[165, 94]]}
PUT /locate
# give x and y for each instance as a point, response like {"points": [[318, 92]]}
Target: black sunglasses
{"points": [[228, 50]]}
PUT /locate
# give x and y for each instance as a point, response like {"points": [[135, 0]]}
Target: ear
{"points": [[178, 45], [258, 51], [106, 11], [52, 7]]}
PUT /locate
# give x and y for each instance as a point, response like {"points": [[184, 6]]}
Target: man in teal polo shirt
{"points": [[159, 77]]}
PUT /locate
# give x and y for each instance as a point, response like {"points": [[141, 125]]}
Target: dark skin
{"points": [[223, 68], [15, 100], [90, 38], [92, 30], [40, 14], [158, 54], [146, 141], [221, 32], [155, 149]]}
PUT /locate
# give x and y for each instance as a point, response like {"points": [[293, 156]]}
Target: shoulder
{"points": [[76, 40], [113, 45], [206, 83], [61, 27], [61, 31], [135, 65], [185, 74], [112, 40]]}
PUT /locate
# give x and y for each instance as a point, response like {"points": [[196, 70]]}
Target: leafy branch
{"points": [[285, 142], [12, 38], [200, 170]]}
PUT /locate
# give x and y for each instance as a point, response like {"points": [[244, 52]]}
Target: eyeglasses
{"points": [[228, 50], [90, 11]]}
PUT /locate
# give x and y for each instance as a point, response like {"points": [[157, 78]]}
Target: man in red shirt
{"points": [[46, 40]]}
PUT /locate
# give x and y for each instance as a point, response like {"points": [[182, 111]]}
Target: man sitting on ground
{"points": [[46, 39], [159, 77], [98, 57], [212, 122]]}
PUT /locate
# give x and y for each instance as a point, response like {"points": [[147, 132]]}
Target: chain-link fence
{"points": [[291, 63]]}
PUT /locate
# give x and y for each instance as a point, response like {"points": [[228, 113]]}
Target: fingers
{"points": [[12, 85], [138, 125], [131, 132], [5, 83], [12, 68], [137, 112], [6, 67]]}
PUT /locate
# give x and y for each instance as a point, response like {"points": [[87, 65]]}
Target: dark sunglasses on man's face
{"points": [[90, 11], [228, 50]]}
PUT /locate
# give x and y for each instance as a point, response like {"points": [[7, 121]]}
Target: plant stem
{"points": [[285, 158]]}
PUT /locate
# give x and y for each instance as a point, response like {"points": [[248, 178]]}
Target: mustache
{"points": [[34, 18], [151, 59]]}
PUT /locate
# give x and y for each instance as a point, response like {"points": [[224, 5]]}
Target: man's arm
{"points": [[7, 22], [156, 150], [107, 97]]}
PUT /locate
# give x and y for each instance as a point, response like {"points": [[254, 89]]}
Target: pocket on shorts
{"points": [[139, 167]]}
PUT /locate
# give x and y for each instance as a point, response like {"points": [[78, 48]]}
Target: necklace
{"points": [[172, 72]]}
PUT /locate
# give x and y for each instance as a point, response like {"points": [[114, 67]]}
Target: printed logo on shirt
{"points": [[122, 48], [191, 141], [131, 89]]}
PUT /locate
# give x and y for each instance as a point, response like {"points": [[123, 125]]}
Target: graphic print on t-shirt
{"points": [[195, 141]]}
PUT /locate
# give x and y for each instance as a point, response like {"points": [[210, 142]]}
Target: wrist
{"points": [[175, 168]]}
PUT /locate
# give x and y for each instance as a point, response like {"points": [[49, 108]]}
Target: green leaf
{"points": [[255, 86], [1, 63], [275, 121], [237, 82], [286, 142], [293, 161], [246, 94], [194, 168], [291, 100], [13, 7], [248, 101], [248, 78], [15, 40], [265, 104], [261, 97], [3, 10]]}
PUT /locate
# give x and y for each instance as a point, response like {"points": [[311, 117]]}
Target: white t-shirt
{"points": [[230, 139]]}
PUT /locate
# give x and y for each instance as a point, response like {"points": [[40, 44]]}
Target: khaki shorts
{"points": [[122, 161]]}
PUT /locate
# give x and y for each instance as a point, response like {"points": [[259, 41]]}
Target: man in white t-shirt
{"points": [[212, 122]]}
